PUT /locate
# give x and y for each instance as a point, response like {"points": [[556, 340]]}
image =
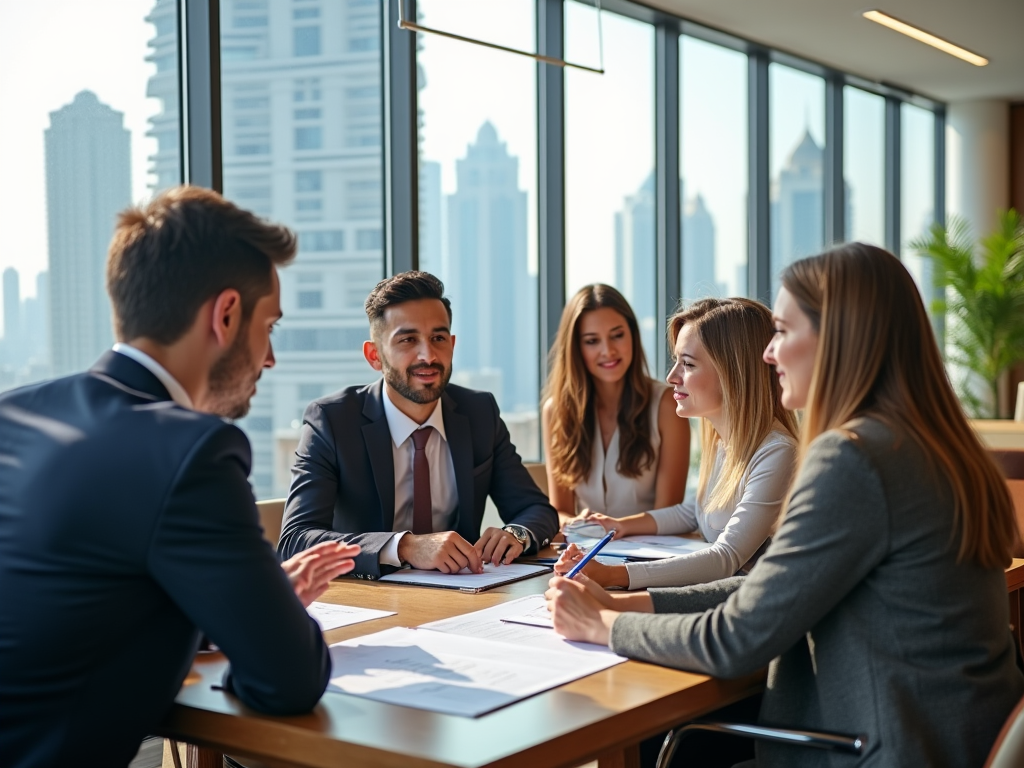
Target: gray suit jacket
{"points": [[868, 622], [343, 481]]}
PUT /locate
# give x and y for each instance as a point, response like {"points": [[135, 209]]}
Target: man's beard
{"points": [[404, 385], [232, 380]]}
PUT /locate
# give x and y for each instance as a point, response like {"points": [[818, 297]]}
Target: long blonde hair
{"points": [[877, 357], [571, 391], [734, 333]]}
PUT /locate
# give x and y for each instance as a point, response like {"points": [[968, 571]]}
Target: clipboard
{"points": [[464, 581]]}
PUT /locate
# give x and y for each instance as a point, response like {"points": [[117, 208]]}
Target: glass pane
{"points": [[478, 185], [609, 163], [713, 158], [301, 125], [864, 165], [797, 102], [917, 189], [93, 128]]}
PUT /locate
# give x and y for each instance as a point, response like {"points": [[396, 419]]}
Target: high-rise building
{"points": [[12, 341], [699, 251], [301, 128], [165, 164], [634, 259], [797, 208], [488, 275], [88, 180]]}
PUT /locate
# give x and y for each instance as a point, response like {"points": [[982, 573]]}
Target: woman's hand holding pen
{"points": [[604, 575]]}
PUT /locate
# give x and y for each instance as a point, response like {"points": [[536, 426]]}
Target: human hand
{"points": [[498, 546], [576, 611], [311, 571], [601, 574], [619, 525], [446, 552]]}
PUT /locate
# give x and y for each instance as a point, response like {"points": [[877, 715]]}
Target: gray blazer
{"points": [[868, 622], [343, 481]]}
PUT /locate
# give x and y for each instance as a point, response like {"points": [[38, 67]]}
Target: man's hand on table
{"points": [[312, 570], [446, 552], [496, 545]]}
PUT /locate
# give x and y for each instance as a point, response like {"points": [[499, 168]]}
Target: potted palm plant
{"points": [[983, 289]]}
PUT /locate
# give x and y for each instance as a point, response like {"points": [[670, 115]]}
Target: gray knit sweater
{"points": [[868, 623]]}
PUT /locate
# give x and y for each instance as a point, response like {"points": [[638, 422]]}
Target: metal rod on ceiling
{"points": [[411, 26]]}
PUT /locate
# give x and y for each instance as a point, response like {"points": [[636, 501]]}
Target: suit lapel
{"points": [[460, 443], [133, 375], [378, 445]]}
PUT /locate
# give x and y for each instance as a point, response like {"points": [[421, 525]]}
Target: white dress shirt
{"points": [[444, 496], [174, 389]]}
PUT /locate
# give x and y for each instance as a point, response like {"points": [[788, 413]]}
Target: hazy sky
{"points": [[49, 51]]}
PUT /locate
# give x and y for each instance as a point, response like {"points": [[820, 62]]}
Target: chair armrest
{"points": [[834, 742]]}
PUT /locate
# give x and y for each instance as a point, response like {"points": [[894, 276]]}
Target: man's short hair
{"points": [[186, 246], [400, 288]]}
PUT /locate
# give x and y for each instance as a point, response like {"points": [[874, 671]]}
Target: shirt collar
{"points": [[401, 426], [174, 389]]}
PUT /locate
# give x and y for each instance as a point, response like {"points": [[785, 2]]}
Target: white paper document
{"points": [[465, 580], [331, 616], [440, 672], [491, 624], [642, 547], [536, 616]]}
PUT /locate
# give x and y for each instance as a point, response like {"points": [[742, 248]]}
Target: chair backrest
{"points": [[1008, 751], [271, 512], [539, 472], [1010, 460]]}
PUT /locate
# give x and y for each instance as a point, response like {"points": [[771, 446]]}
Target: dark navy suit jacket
{"points": [[127, 525], [343, 481]]}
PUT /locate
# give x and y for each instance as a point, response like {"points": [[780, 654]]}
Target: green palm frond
{"points": [[983, 286]]}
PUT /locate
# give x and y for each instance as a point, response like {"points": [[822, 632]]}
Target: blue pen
{"points": [[590, 555]]}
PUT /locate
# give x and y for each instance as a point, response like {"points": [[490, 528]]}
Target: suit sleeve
{"points": [[516, 496], [834, 534], [209, 555], [309, 512]]}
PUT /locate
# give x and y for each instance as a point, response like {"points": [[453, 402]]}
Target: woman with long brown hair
{"points": [[748, 443], [881, 602], [612, 441]]}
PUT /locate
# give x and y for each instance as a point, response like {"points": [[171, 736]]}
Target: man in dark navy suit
{"points": [[127, 524], [403, 467]]}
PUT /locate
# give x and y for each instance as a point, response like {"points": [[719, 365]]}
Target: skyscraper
{"points": [[488, 275], [301, 111], [634, 258], [797, 225], [12, 340], [699, 251], [88, 180]]}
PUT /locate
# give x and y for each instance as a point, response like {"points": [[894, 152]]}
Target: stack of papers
{"points": [[465, 580], [642, 547], [467, 665]]}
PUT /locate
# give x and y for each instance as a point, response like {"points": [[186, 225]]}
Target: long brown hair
{"points": [[734, 333], [877, 357], [571, 391]]}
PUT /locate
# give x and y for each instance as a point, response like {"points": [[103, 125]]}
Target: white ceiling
{"points": [[834, 33]]}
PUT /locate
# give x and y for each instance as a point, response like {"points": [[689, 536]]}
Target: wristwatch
{"points": [[520, 534]]}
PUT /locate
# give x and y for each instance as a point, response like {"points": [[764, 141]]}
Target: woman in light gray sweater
{"points": [[881, 602]]}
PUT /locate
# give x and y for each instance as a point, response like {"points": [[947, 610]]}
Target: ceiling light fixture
{"points": [[925, 37]]}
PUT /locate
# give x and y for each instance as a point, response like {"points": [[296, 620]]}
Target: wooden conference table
{"points": [[603, 716]]}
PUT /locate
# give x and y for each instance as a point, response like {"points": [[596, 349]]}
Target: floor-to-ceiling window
{"points": [[89, 126], [797, 136], [301, 143], [609, 162], [713, 169], [864, 165], [478, 198]]}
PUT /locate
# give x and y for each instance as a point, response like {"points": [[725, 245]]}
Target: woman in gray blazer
{"points": [[880, 606]]}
